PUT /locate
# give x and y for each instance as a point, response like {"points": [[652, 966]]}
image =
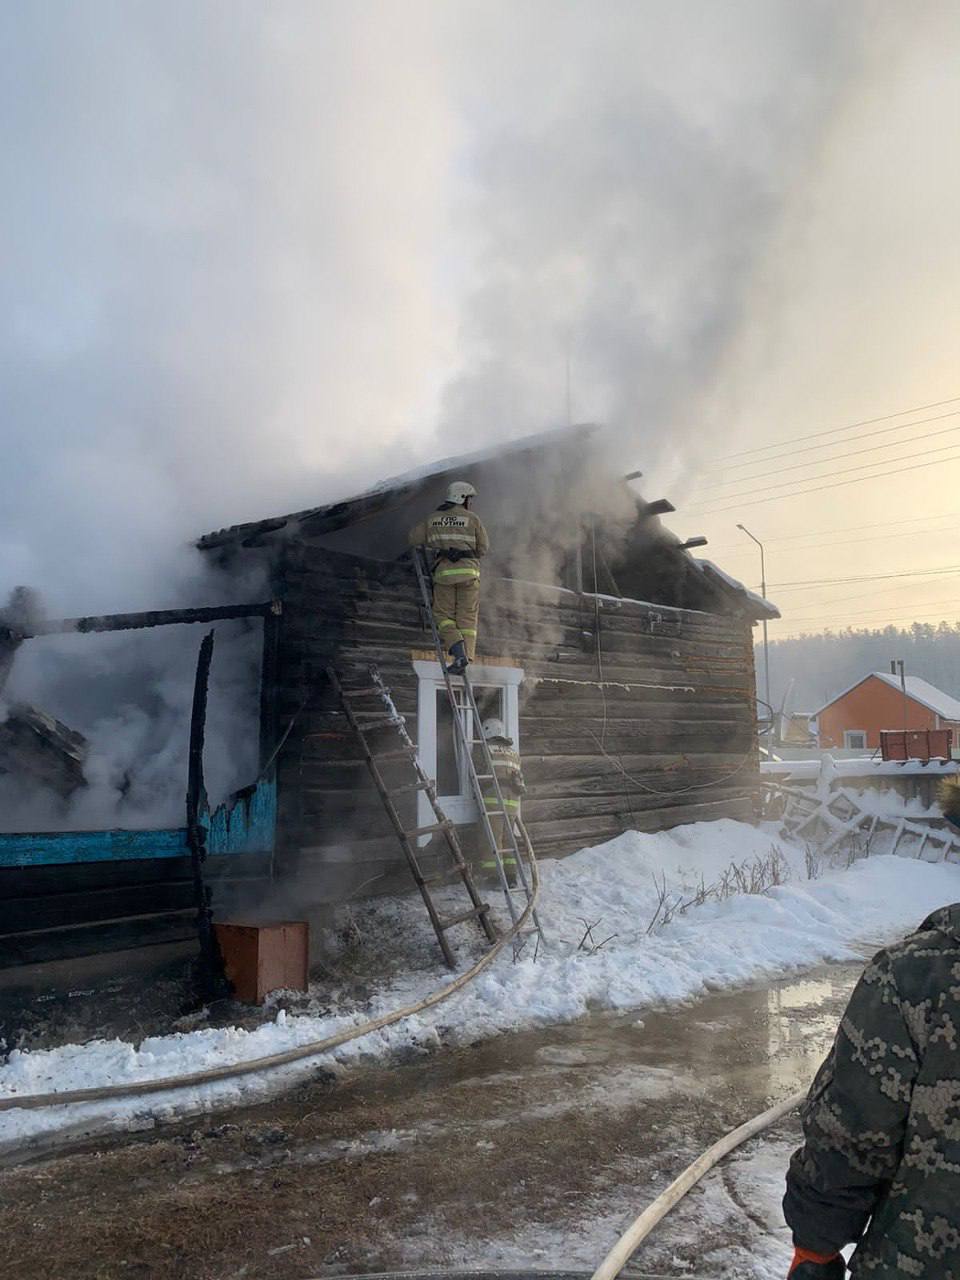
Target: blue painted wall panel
{"points": [[243, 824], [47, 847], [246, 823]]}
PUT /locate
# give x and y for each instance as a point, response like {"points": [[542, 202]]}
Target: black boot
{"points": [[459, 664]]}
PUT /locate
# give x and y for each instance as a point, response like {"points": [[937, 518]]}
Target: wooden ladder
{"points": [[387, 716], [487, 806]]}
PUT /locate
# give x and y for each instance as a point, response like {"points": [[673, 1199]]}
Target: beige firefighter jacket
{"points": [[453, 528], [506, 765]]}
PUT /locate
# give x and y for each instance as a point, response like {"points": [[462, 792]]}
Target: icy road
{"points": [[532, 1150]]}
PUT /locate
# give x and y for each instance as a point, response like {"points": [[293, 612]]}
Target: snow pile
{"points": [[617, 888]]}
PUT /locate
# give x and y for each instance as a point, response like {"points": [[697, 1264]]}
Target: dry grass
{"points": [[753, 875]]}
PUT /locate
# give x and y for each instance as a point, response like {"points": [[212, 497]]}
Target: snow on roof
{"points": [[928, 695], [764, 608]]}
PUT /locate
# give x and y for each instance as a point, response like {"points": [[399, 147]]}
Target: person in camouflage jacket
{"points": [[881, 1159]]}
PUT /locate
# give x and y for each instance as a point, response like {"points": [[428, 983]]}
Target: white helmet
{"points": [[460, 491], [495, 729]]}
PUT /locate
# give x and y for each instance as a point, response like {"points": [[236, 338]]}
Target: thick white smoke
{"points": [[257, 256]]}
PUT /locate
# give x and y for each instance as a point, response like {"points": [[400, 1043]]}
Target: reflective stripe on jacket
{"points": [[506, 766]]}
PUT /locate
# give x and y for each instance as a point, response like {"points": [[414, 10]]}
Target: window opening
{"points": [[491, 703], [449, 750], [855, 739], [496, 690]]}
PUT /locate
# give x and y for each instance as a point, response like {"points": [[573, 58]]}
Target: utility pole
{"points": [[766, 646], [894, 664]]}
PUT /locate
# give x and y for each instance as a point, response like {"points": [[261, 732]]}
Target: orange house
{"points": [[854, 718]]}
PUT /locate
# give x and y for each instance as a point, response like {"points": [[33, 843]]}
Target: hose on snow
{"points": [[637, 1232], [233, 1070]]}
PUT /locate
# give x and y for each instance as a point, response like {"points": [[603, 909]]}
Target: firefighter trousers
{"points": [[456, 608]]}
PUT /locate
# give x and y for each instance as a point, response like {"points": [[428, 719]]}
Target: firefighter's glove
{"points": [[808, 1265]]}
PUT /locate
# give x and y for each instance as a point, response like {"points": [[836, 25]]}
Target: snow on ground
{"points": [[615, 887]]}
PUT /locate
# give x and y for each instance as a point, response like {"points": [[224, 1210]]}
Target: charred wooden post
{"points": [[10, 640], [211, 978]]}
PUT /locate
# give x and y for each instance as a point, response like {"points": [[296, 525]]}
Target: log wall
{"points": [[631, 715]]}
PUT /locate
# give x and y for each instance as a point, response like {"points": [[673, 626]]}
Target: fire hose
{"points": [[631, 1239], [638, 1231], [233, 1070]]}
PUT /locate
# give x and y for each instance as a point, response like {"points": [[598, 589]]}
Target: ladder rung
{"points": [[399, 753], [428, 831], [379, 723], [464, 915], [436, 876], [484, 777], [411, 786]]}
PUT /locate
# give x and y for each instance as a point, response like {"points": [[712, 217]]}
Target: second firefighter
{"points": [[506, 766]]}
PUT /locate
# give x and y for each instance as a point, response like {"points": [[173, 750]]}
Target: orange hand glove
{"points": [[808, 1265]]}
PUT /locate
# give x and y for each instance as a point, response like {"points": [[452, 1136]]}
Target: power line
{"points": [[840, 484], [864, 577], [852, 542], [816, 448], [850, 426], [873, 594], [864, 613], [833, 605], [845, 471], [874, 624], [839, 457], [847, 528]]}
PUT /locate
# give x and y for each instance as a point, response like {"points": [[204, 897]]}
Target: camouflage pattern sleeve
{"points": [[854, 1118]]}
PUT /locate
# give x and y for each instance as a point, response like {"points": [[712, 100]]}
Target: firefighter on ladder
{"points": [[506, 766], [458, 539]]}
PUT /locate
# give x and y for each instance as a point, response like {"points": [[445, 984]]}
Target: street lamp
{"points": [[763, 592]]}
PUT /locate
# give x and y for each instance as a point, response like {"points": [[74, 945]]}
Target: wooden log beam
{"points": [[153, 618]]}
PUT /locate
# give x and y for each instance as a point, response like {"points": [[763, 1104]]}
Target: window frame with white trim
{"points": [[459, 806]]}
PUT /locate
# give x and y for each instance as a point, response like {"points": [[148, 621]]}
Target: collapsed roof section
{"points": [[37, 746], [558, 507]]}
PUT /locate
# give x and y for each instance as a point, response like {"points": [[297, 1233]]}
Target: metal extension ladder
{"points": [[489, 775], [362, 723]]}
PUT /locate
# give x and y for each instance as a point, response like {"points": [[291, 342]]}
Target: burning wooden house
{"points": [[621, 666]]}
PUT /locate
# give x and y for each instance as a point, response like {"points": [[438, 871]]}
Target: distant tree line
{"points": [[825, 664]]}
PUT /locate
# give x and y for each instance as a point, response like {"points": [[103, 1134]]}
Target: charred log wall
{"points": [[632, 716]]}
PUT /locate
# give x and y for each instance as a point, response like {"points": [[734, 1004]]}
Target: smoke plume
{"points": [[258, 256]]}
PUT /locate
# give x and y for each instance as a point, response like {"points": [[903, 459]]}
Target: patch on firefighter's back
{"points": [[449, 522]]}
